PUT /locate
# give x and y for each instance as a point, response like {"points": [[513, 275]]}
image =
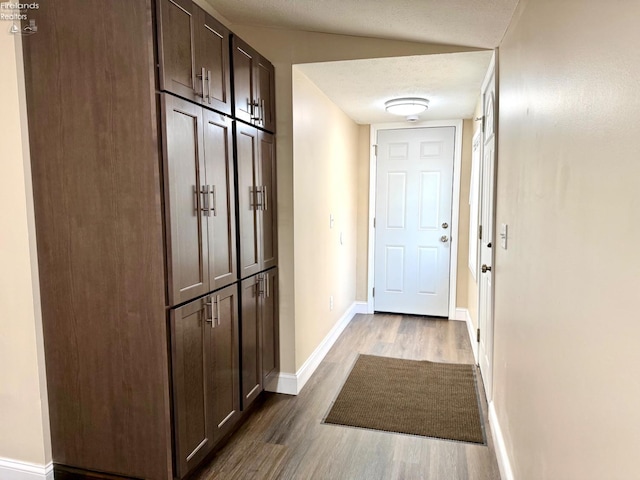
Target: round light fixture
{"points": [[406, 106]]}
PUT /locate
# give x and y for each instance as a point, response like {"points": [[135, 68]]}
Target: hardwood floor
{"points": [[285, 439]]}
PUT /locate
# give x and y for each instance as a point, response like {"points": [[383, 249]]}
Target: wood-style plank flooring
{"points": [[285, 439]]}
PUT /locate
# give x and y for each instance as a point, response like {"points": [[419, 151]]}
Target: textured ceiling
{"points": [[474, 23], [451, 82]]}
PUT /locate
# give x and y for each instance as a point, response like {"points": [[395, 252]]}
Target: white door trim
{"points": [[455, 203]]}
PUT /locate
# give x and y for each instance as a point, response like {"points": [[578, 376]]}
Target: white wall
{"points": [[24, 417], [566, 381]]}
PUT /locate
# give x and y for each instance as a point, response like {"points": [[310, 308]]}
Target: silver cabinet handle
{"points": [[254, 200], [214, 208], [268, 287], [204, 191], [250, 108], [260, 280], [209, 97], [262, 112], [264, 197], [218, 309], [209, 318], [202, 78]]}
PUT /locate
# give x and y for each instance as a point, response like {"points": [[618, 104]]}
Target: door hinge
{"points": [[479, 232], [478, 335], [374, 222], [373, 292], [375, 150]]}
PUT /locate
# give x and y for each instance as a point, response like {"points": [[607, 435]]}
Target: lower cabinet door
{"points": [[225, 372], [206, 377], [251, 340], [190, 360]]}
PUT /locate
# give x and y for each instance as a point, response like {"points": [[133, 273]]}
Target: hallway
{"points": [[285, 439]]}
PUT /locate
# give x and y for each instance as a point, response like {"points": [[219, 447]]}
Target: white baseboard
{"points": [[461, 315], [498, 442], [292, 384], [13, 470]]}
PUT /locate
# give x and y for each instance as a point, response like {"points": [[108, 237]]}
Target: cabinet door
{"points": [[268, 241], [220, 180], [251, 341], [244, 61], [190, 339], [225, 360], [212, 60], [270, 325], [247, 152], [185, 200], [265, 95], [176, 47]]}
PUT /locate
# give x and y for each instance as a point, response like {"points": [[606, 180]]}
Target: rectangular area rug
{"points": [[408, 396]]}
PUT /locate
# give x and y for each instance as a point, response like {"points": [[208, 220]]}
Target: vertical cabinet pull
{"points": [[209, 96], [214, 208], [262, 112], [267, 287], [208, 314], [218, 309], [250, 107], [264, 197], [260, 284], [202, 76], [204, 191]]}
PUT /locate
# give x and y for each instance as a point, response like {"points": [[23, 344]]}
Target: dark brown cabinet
{"points": [[254, 86], [199, 199], [256, 199], [193, 51], [148, 356], [204, 353], [259, 333]]}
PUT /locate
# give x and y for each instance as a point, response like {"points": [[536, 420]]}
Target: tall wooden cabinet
{"points": [[143, 180]]}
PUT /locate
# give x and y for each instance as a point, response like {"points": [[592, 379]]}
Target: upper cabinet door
{"points": [[212, 62], [267, 202], [254, 86], [220, 178], [244, 61], [265, 94], [176, 48], [187, 200]]}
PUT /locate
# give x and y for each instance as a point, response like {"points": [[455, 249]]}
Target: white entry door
{"points": [[487, 241], [413, 220]]}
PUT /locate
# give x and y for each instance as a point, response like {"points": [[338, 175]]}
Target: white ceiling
{"points": [[451, 82], [473, 23]]}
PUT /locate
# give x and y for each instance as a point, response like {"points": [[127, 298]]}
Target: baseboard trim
{"points": [[506, 473], [460, 315], [473, 336], [14, 470], [291, 384]]}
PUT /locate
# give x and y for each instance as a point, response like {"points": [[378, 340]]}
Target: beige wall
{"points": [[472, 284], [566, 382], [325, 169], [362, 259], [24, 420], [285, 48], [463, 225]]}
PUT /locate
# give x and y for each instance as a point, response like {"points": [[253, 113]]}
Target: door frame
{"points": [[492, 73], [455, 202]]}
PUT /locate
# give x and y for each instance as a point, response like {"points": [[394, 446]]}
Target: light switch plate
{"points": [[504, 228]]}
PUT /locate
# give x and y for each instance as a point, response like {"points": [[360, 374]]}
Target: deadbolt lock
{"points": [[445, 225]]}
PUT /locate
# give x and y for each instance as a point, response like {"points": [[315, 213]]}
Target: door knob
{"points": [[444, 239], [485, 269]]}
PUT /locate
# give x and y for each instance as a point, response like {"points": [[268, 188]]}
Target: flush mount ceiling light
{"points": [[406, 106]]}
